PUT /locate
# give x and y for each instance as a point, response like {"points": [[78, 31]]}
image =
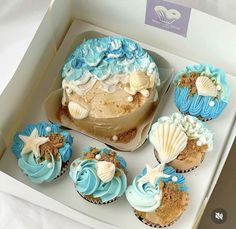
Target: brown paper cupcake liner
{"points": [[187, 170], [97, 201], [147, 222], [179, 170]]}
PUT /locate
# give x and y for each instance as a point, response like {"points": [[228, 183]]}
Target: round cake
{"points": [[109, 90], [43, 151], [201, 91], [99, 175], [181, 141], [158, 196]]}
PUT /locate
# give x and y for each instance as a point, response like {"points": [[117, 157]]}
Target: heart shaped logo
{"points": [[167, 16]]}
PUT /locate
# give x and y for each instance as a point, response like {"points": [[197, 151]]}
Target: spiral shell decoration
{"points": [[140, 82], [169, 141], [77, 111], [205, 86], [105, 170]]}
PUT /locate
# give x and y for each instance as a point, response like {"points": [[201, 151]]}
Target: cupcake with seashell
{"points": [[158, 196], [43, 151], [99, 175], [201, 91], [110, 91], [180, 141]]}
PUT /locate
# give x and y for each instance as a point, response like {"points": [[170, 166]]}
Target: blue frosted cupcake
{"points": [[201, 91], [99, 175], [43, 151], [158, 196]]}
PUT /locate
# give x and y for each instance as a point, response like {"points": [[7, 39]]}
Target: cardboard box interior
{"points": [[21, 91]]}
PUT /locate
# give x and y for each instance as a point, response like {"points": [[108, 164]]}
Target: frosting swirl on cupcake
{"points": [[100, 173], [41, 149], [147, 196], [44, 171]]}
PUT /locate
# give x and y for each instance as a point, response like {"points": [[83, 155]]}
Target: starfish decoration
{"points": [[33, 142], [152, 174]]}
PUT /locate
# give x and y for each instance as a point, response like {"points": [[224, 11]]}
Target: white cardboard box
{"points": [[209, 40]]}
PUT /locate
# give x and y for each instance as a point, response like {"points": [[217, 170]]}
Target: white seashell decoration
{"points": [[169, 141], [77, 111], [205, 86], [105, 170], [139, 80]]}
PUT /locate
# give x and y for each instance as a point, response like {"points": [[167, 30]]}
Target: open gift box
{"points": [[37, 76]]}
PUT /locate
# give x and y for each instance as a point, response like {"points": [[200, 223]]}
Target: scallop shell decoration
{"points": [[77, 111], [169, 141], [205, 86], [105, 170]]}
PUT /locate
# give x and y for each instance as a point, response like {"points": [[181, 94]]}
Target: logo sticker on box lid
{"points": [[168, 16]]}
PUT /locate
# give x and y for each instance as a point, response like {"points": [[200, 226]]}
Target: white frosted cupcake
{"points": [[181, 141]]}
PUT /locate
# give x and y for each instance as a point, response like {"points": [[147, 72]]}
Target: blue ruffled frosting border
{"points": [[106, 56]]}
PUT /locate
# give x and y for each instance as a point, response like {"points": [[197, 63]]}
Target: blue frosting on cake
{"points": [[37, 170], [198, 105], [107, 56]]}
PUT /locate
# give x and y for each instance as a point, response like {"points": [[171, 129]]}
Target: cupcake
{"points": [[43, 151], [201, 91], [158, 196], [180, 141], [99, 175]]}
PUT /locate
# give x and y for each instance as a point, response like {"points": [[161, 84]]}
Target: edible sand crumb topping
{"points": [[173, 199], [192, 149], [173, 203], [109, 157], [51, 147], [189, 80], [202, 83]]}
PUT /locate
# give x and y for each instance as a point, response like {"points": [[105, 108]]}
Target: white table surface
{"points": [[19, 20]]}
